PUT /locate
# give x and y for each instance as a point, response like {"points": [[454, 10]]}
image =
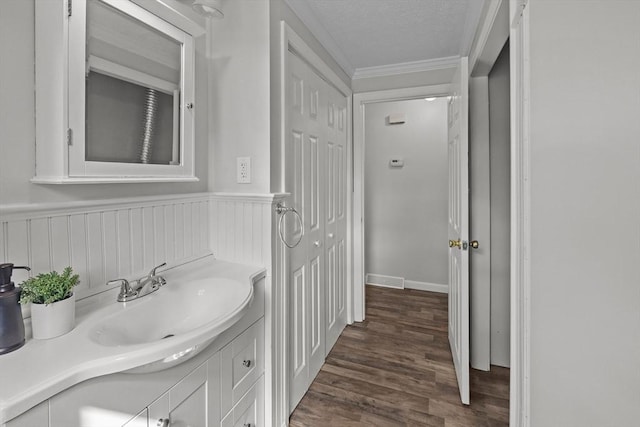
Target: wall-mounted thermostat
{"points": [[396, 119], [396, 163]]}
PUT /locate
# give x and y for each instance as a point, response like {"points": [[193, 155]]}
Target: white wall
{"points": [[240, 95], [406, 208], [17, 121], [500, 138], [585, 211]]}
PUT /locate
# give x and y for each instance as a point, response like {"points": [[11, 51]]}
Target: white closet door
{"points": [[336, 222], [315, 157], [458, 146], [306, 145]]}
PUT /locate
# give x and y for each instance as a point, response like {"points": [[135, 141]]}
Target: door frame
{"points": [[520, 396], [290, 40], [360, 100]]}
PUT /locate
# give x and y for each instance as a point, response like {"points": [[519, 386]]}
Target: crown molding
{"points": [[406, 67], [309, 19]]}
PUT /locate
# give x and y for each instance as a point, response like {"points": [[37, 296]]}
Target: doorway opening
{"points": [[405, 193]]}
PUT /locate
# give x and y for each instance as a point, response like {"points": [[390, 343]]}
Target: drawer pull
{"points": [[246, 363], [163, 422]]}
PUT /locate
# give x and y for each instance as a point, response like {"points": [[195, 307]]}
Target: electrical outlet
{"points": [[244, 170]]}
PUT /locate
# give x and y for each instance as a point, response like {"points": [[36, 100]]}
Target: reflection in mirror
{"points": [[132, 90]]}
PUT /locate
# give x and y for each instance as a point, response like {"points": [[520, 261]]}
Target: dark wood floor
{"points": [[395, 369]]}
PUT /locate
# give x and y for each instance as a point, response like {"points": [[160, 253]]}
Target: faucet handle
{"points": [[125, 289], [153, 270], [125, 284]]}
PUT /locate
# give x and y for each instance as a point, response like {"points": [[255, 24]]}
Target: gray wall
{"points": [[585, 212], [499, 130], [17, 121], [406, 208], [240, 95]]}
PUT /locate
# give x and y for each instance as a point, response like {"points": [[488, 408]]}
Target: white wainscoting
{"points": [[241, 228], [107, 239]]}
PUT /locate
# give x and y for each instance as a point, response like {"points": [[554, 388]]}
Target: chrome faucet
{"points": [[140, 287]]}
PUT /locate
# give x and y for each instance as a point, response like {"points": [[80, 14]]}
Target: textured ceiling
{"points": [[373, 33]]}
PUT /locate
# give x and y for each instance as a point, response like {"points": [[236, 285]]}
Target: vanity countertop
{"points": [[43, 368]]}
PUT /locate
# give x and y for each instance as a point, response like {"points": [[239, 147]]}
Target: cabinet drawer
{"points": [[241, 364], [249, 411], [185, 403]]}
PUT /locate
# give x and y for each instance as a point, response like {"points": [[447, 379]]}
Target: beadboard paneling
{"points": [[241, 228], [105, 240]]}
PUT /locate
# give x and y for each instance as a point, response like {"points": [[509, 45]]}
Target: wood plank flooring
{"points": [[395, 369]]}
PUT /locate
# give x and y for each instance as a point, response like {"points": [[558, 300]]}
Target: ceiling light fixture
{"points": [[209, 8]]}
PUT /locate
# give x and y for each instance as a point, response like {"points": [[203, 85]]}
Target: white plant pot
{"points": [[53, 320]]}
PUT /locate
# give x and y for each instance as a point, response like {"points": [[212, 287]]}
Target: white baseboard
{"points": [[424, 286], [384, 281]]}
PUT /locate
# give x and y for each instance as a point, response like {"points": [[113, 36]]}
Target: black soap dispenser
{"points": [[11, 322]]}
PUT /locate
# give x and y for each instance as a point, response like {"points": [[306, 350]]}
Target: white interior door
{"points": [[458, 146], [316, 165], [336, 218], [306, 145]]}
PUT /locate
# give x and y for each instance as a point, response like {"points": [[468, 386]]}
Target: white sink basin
{"points": [[179, 321]]}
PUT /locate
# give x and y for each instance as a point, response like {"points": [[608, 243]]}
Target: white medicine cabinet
{"points": [[114, 94]]}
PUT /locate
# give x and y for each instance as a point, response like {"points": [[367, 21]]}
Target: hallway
{"points": [[395, 369]]}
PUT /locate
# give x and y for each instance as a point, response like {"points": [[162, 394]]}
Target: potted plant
{"points": [[53, 305]]}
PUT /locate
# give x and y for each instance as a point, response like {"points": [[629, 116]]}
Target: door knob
{"points": [[317, 243], [456, 243], [163, 422], [474, 244], [246, 363]]}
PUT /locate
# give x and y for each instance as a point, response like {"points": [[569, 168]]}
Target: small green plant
{"points": [[47, 288]]}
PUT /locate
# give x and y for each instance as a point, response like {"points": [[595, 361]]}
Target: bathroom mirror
{"points": [[126, 84], [132, 90]]}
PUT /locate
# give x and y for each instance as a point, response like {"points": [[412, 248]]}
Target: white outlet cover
{"points": [[243, 170]]}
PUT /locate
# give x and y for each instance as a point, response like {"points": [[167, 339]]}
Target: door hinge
{"points": [[69, 136], [69, 8]]}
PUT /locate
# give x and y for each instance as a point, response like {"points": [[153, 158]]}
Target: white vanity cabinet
{"points": [[115, 92], [222, 386], [242, 380], [249, 411], [190, 402]]}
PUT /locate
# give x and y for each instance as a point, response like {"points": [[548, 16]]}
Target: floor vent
{"points": [[386, 281]]}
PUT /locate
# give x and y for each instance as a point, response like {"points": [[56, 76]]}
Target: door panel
{"points": [[305, 160], [336, 227], [299, 321], [459, 228], [315, 151]]}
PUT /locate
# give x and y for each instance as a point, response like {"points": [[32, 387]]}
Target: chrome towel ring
{"points": [[282, 210]]}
